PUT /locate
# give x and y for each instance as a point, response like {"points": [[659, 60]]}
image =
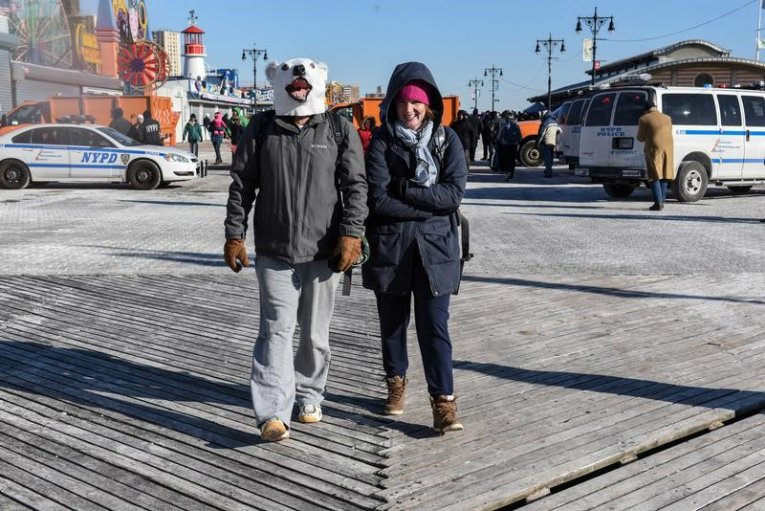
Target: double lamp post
{"points": [[254, 53]]}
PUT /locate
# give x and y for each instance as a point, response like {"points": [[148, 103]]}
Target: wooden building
{"points": [[693, 63]]}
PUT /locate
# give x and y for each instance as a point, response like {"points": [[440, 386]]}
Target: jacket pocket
{"points": [[385, 245]]}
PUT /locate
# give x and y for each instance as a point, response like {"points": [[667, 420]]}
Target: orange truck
{"points": [[370, 107], [96, 109], [528, 153]]}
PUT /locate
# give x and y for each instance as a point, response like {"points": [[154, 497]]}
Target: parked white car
{"points": [[74, 152]]}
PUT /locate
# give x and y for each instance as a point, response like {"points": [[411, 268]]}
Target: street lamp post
{"points": [[550, 45], [254, 53], [475, 84], [595, 23], [493, 71]]}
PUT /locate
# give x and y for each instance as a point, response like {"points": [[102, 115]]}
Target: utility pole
{"points": [[475, 84], [254, 53], [595, 23], [550, 44], [493, 71]]}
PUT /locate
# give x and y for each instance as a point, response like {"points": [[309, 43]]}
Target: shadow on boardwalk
{"points": [[608, 291], [633, 387]]}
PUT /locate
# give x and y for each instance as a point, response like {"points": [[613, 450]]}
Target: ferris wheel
{"points": [[43, 32], [143, 65]]}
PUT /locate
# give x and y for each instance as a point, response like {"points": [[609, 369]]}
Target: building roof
{"points": [[723, 58], [660, 52], [193, 29]]}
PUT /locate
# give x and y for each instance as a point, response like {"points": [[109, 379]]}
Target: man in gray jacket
{"points": [[304, 170]]}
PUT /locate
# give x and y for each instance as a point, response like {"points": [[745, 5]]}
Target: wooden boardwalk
{"points": [[130, 392]]}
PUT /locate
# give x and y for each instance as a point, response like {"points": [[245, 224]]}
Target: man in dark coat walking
{"points": [[119, 122], [466, 132]]}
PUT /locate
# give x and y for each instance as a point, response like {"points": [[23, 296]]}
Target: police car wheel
{"points": [[14, 175], [691, 182], [530, 155], [144, 175]]}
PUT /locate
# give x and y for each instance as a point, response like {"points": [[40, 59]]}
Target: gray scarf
{"points": [[425, 172]]}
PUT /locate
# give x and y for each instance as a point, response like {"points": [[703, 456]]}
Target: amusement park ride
{"points": [[46, 38]]}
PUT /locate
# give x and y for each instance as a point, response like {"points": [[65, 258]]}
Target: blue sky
{"points": [[362, 40]]}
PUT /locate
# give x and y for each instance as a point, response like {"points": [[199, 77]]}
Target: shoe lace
{"points": [[395, 391]]}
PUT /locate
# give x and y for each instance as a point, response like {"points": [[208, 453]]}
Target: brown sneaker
{"points": [[394, 404], [274, 430], [445, 414]]}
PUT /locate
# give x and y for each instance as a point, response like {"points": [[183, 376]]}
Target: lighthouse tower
{"points": [[194, 50]]}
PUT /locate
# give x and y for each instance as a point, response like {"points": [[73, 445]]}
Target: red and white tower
{"points": [[194, 50]]}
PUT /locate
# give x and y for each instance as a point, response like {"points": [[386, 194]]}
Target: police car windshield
{"points": [[119, 137]]}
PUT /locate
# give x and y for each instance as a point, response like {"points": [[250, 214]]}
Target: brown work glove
{"points": [[347, 252], [235, 254]]}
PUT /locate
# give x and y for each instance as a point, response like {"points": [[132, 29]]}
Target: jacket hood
{"points": [[403, 74]]}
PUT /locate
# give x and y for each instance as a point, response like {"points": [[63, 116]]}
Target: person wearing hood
{"points": [[547, 138], [217, 133], [136, 130], [119, 122], [152, 132], [193, 132], [417, 173]]}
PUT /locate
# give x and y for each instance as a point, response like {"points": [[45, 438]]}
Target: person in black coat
{"points": [[119, 122], [416, 171], [475, 120], [467, 133]]}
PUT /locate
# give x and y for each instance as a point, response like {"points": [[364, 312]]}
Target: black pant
{"points": [[507, 155], [431, 317], [194, 148]]}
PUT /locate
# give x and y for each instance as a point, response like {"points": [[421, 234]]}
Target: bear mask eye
{"points": [[285, 67], [313, 66]]}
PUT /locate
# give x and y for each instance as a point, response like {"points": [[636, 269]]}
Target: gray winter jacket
{"points": [[305, 197]]}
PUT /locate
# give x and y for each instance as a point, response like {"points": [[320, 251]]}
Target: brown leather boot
{"points": [[394, 404], [445, 414]]}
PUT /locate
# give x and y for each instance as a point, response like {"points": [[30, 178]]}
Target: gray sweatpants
{"points": [[301, 294]]}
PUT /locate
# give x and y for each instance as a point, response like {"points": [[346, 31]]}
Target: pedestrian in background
{"points": [[417, 172], [193, 132], [465, 131], [119, 122], [489, 128], [217, 134], [475, 121], [206, 125], [235, 132], [136, 131], [547, 139], [152, 132], [366, 131], [508, 140], [655, 129]]}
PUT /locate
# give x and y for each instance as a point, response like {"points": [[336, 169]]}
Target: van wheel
{"points": [[144, 175], [691, 182], [14, 175], [618, 191], [739, 189], [530, 155]]}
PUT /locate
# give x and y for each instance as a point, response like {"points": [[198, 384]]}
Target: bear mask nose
{"points": [[298, 70]]}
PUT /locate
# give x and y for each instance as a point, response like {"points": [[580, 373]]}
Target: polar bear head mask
{"points": [[299, 86]]}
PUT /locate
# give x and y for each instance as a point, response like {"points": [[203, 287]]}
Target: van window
{"points": [[690, 109], [599, 113], [561, 113], [730, 111], [575, 114], [629, 108], [754, 109]]}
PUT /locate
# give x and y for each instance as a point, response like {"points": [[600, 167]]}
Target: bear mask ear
{"points": [[321, 66], [271, 71]]}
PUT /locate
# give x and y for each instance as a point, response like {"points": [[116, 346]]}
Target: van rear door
{"points": [[595, 151], [754, 155], [729, 153], [626, 152]]}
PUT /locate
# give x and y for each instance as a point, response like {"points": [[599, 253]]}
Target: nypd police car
{"points": [[67, 152]]}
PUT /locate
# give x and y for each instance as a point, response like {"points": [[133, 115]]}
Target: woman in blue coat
{"points": [[416, 172]]}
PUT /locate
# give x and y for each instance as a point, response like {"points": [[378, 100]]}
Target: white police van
{"points": [[69, 152], [719, 137]]}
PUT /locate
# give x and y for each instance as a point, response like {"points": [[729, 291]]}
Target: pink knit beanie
{"points": [[415, 91]]}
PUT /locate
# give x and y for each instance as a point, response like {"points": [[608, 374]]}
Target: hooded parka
{"points": [[411, 220]]}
